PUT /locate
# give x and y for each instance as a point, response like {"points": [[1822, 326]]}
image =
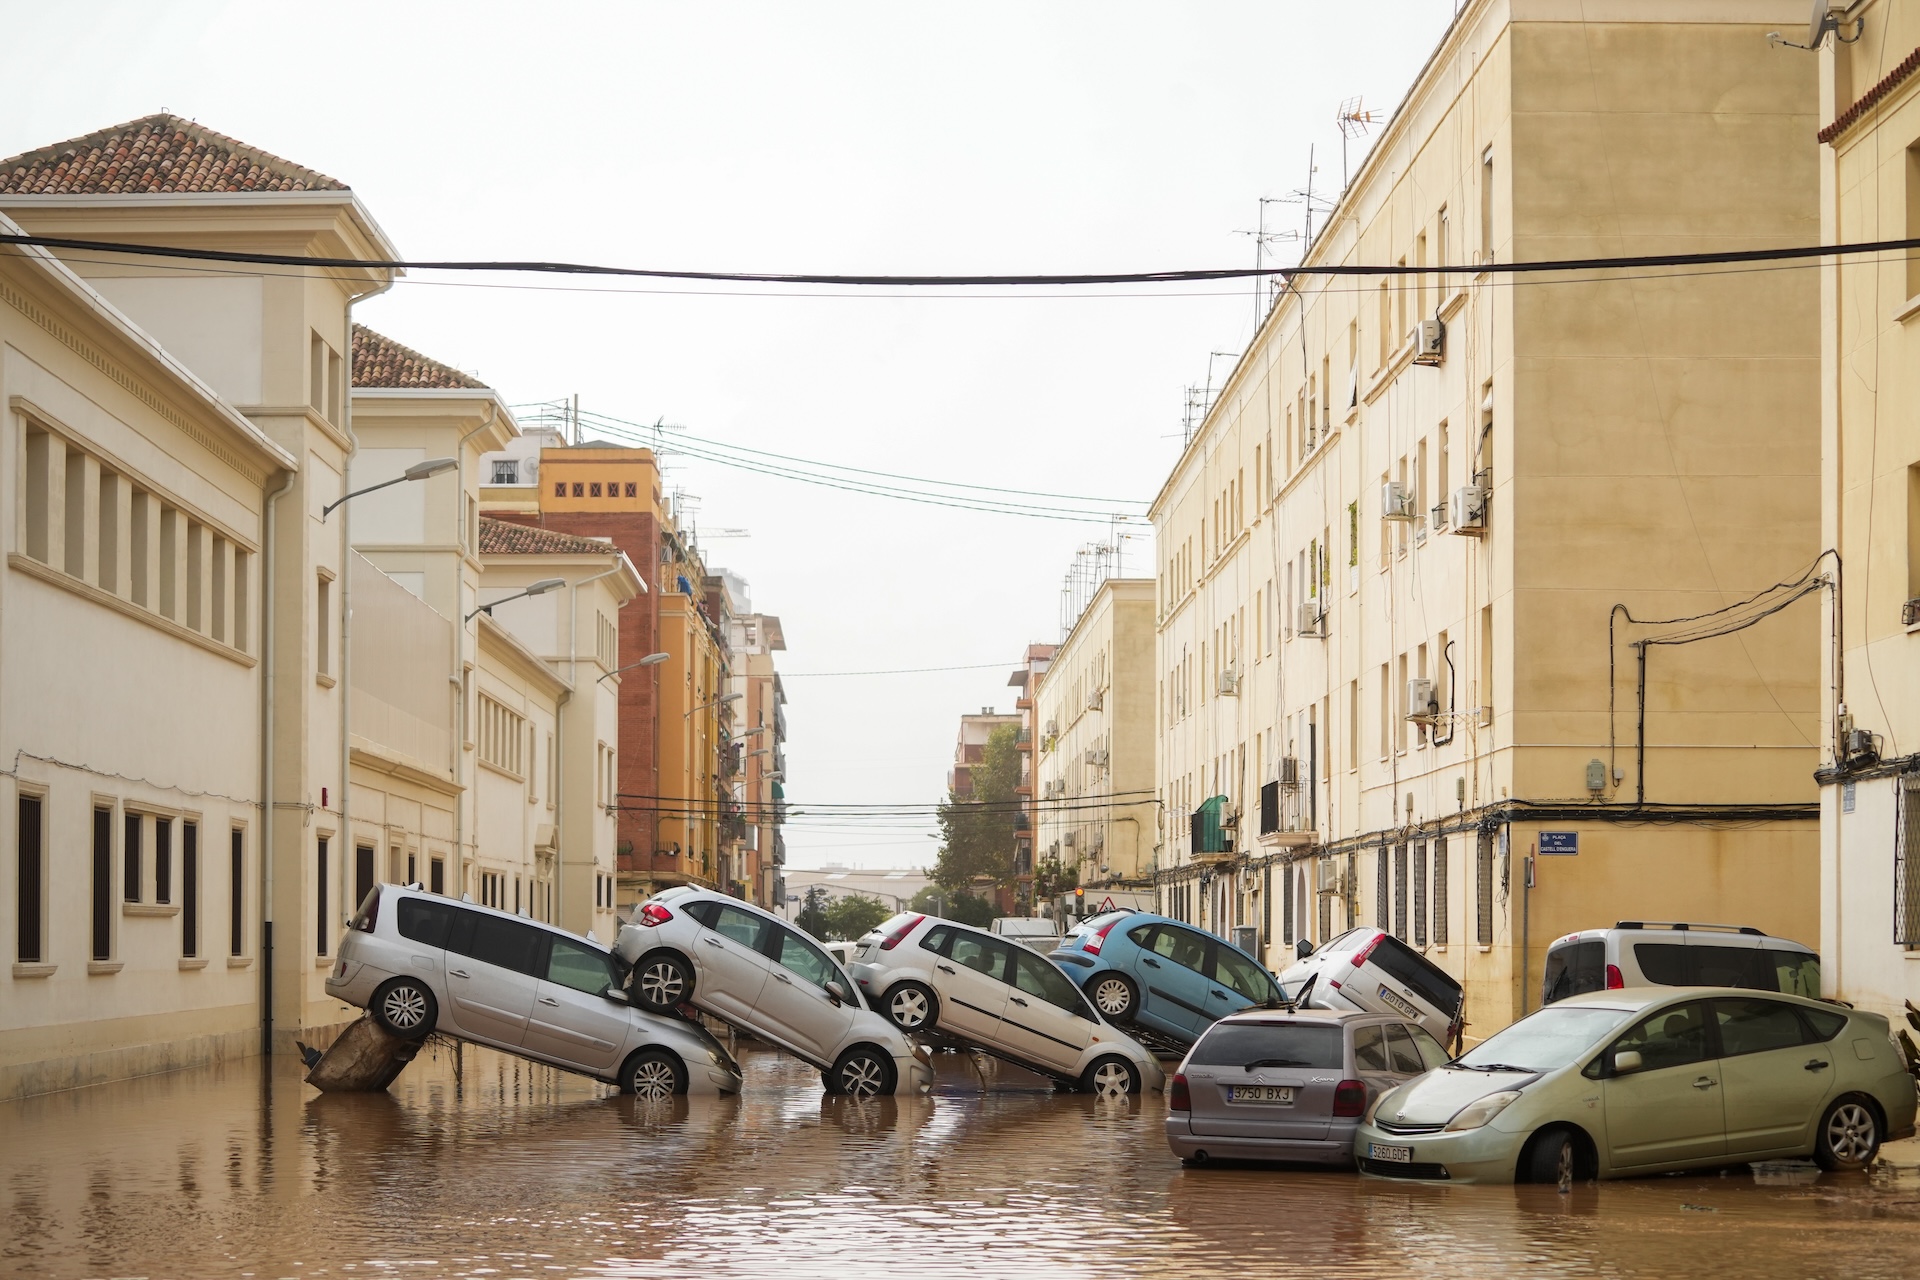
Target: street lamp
{"points": [[418, 471], [651, 660], [539, 588], [725, 697]]}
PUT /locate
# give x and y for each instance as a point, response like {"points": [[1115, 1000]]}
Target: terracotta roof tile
{"points": [[157, 154], [379, 361], [504, 538]]}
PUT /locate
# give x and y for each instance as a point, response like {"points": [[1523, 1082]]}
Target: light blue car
{"points": [[1161, 974]]}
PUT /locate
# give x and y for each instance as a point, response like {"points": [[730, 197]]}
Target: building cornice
{"points": [[1871, 98]]}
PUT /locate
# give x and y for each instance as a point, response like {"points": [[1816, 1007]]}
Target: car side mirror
{"points": [[616, 995], [1302, 949], [836, 992], [1626, 1062]]}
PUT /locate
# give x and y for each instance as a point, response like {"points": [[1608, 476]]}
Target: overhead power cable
{"points": [[1717, 257]]}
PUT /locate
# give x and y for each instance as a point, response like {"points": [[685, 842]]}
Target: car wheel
{"points": [[1849, 1136], [1552, 1157], [406, 1008], [653, 1074], [1113, 995], [1111, 1077], [912, 1007], [662, 981], [862, 1072]]}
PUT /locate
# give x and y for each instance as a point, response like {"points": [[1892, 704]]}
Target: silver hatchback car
{"points": [[1290, 1086], [420, 963]]}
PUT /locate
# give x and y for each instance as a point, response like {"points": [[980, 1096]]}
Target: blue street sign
{"points": [[1562, 843]]}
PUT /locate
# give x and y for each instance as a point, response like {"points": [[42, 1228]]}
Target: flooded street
{"points": [[510, 1169]]}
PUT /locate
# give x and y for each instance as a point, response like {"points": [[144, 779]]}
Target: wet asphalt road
{"points": [[503, 1168]]}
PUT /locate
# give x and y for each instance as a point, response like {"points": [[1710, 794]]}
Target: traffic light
{"points": [[1079, 901]]}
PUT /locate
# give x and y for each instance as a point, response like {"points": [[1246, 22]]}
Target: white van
{"points": [[1639, 953], [1036, 933]]}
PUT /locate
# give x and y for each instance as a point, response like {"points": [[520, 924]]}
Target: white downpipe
{"points": [[559, 727], [456, 675], [269, 549]]}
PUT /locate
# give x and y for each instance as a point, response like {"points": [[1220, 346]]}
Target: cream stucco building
{"points": [[1870, 496], [1412, 560], [1094, 713]]}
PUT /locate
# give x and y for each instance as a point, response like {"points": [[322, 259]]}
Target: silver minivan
{"points": [[1639, 953], [419, 963]]}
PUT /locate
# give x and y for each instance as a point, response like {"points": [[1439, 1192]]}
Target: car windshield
{"points": [[1543, 1041], [1251, 1045]]}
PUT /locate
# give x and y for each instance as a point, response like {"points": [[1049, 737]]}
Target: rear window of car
{"points": [[1574, 969], [1797, 973], [425, 922], [1826, 1023], [934, 939], [1703, 964], [1237, 1044], [1426, 979]]}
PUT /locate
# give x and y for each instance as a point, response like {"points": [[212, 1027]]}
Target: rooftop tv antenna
{"points": [[1265, 288], [1827, 18], [1354, 121]]}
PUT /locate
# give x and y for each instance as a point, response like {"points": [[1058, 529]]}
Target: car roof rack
{"points": [[1681, 926]]}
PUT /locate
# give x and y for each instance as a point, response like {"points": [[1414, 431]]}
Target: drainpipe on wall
{"points": [[456, 677], [267, 651]]}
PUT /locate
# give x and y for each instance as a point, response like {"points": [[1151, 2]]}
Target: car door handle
{"points": [[1218, 995], [1817, 1065], [458, 973], [714, 942], [1705, 1082], [781, 977], [550, 1000], [1150, 963], [1017, 1000], [944, 968]]}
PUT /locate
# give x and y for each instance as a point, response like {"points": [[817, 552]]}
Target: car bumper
{"points": [[1485, 1154], [353, 982], [913, 1076], [719, 1081], [1336, 1149]]}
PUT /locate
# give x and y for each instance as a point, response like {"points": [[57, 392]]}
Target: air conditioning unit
{"points": [[1470, 510], [1228, 685], [1312, 618], [1053, 728], [1396, 501], [1095, 698], [1067, 840], [1289, 771], [1229, 817], [1421, 704], [1329, 879], [1437, 518], [1432, 343], [1100, 757]]}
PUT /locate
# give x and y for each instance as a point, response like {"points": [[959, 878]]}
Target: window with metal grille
{"points": [[31, 871], [1382, 908], [1420, 893], [1440, 892], [1906, 884], [1286, 915], [1483, 887], [1266, 908], [1400, 892]]}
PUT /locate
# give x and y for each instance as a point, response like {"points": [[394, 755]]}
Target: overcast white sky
{"points": [[846, 138]]}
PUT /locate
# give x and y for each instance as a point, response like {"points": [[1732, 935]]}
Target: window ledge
{"points": [[239, 962], [1485, 947], [323, 962], [149, 908], [193, 962], [33, 969], [105, 966], [1908, 310], [86, 590], [324, 680]]}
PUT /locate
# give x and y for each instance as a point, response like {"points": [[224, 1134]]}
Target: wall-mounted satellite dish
{"points": [[1826, 20]]}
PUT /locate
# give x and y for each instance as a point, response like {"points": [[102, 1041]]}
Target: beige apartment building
{"points": [[1463, 617], [1093, 709], [759, 750], [1870, 508]]}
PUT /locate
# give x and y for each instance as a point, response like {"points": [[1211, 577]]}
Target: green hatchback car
{"points": [[1650, 1080]]}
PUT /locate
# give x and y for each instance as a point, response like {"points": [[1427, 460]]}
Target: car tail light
{"points": [[654, 914], [369, 913], [1179, 1097], [1350, 1099], [893, 939], [1614, 981], [1092, 945], [1366, 953]]}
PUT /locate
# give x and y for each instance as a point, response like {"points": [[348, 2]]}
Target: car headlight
{"points": [[1475, 1114], [1377, 1102]]}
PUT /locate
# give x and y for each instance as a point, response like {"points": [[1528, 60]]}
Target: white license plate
{"points": [[1280, 1095], [1394, 1155], [1403, 1007]]}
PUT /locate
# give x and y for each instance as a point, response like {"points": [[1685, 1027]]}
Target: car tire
{"points": [[653, 1075], [1110, 1077], [911, 1006], [1552, 1156], [862, 1072], [1114, 995], [662, 982], [405, 1007], [1849, 1135]]}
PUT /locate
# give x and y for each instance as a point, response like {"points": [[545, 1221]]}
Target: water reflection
{"points": [[479, 1164]]}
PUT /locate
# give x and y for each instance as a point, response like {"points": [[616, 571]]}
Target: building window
{"points": [[506, 471], [559, 490], [236, 892], [593, 489], [502, 738], [1486, 205], [1400, 891], [437, 876], [1420, 893], [632, 490], [1382, 891], [189, 890], [362, 873], [579, 490], [162, 860], [322, 628], [320, 895], [102, 883], [30, 879], [130, 860], [1483, 889], [1906, 884]]}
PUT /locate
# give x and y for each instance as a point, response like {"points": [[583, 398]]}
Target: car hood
{"points": [[1438, 1096]]}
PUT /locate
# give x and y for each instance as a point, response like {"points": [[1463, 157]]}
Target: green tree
{"points": [[812, 916], [967, 909], [853, 916], [977, 831]]}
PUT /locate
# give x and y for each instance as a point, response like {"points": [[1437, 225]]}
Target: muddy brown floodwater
{"points": [[509, 1169]]}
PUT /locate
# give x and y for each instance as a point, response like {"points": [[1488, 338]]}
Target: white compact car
{"points": [[753, 970], [925, 973], [419, 963], [1370, 969]]}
